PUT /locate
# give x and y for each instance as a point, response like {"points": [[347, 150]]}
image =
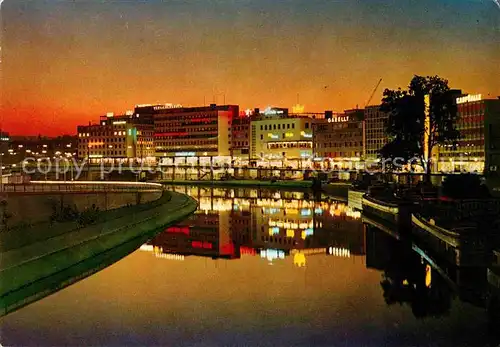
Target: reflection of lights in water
{"points": [[305, 212], [270, 210], [353, 214], [272, 254], [339, 252], [428, 276], [269, 205], [158, 252], [273, 231], [290, 224], [308, 251], [207, 204], [299, 259], [170, 256]]}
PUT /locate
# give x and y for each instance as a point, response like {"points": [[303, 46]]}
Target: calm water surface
{"points": [[258, 269]]}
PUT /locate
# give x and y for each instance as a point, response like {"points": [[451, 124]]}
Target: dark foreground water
{"points": [[261, 269]]}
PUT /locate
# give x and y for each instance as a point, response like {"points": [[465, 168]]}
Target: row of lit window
{"points": [[340, 154], [279, 240], [342, 136], [280, 145], [280, 126], [186, 143], [339, 144]]}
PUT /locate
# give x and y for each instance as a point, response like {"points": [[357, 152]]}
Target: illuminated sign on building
{"points": [[306, 135], [166, 106], [298, 108], [119, 122], [110, 114], [273, 136], [338, 119], [269, 111], [469, 98], [185, 154]]}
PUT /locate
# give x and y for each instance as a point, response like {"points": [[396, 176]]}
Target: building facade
{"points": [[117, 138], [281, 139], [240, 137], [492, 144], [192, 131], [340, 138], [37, 148], [375, 135], [476, 123]]}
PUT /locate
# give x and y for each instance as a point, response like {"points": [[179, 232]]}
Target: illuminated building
{"points": [[4, 136], [19, 148], [191, 131], [478, 125], [271, 112], [375, 136], [240, 137], [281, 139], [313, 115], [340, 138], [117, 138], [492, 146]]}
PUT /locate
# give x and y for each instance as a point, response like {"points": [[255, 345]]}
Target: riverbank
{"points": [[25, 267], [242, 183], [338, 190]]}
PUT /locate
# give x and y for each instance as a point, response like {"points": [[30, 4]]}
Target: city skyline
{"points": [[67, 63]]}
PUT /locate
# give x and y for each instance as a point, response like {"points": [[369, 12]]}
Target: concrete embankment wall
{"points": [[34, 270], [25, 209], [340, 190]]}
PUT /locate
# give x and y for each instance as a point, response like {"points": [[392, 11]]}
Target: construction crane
{"points": [[373, 93]]}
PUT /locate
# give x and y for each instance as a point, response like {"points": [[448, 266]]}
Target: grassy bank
{"points": [[28, 273], [243, 183]]}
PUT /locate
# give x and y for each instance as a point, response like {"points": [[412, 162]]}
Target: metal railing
{"points": [[80, 187]]}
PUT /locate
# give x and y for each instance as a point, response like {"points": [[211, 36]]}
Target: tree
{"points": [[407, 128]]}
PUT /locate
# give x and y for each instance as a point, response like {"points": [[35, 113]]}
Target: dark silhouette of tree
{"points": [[406, 126]]}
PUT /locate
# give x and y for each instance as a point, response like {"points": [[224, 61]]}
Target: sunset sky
{"points": [[68, 62]]}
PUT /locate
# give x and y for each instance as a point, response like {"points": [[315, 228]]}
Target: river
{"points": [[260, 268]]}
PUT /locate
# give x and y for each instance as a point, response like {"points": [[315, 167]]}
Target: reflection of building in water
{"points": [[303, 224], [203, 234], [267, 220], [378, 246]]}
